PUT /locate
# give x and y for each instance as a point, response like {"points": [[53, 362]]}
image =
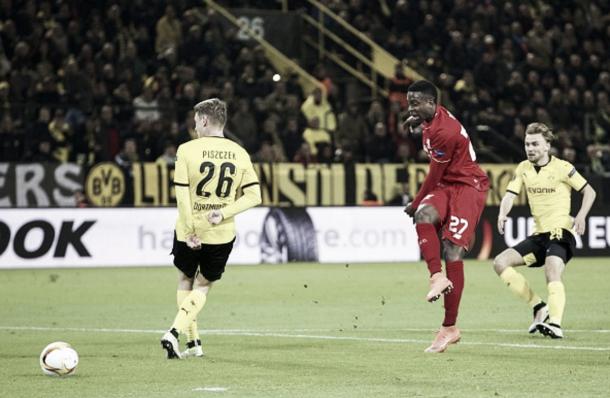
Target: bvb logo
{"points": [[105, 185]]}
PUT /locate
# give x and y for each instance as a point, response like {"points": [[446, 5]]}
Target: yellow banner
{"points": [[288, 184]]}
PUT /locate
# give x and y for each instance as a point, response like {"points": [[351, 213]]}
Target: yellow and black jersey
{"points": [[210, 172], [548, 191]]}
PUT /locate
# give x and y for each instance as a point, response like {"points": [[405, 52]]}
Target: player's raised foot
{"points": [[193, 350], [445, 336], [439, 284], [541, 314], [551, 330], [169, 342]]}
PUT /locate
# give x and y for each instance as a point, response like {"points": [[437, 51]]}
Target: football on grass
{"points": [[58, 359]]}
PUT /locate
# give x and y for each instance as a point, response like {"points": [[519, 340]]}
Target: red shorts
{"points": [[459, 208]]}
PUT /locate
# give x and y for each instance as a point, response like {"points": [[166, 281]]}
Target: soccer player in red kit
{"points": [[450, 200]]}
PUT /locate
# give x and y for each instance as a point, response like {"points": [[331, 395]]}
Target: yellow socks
{"points": [[192, 332], [557, 302], [519, 285], [187, 313], [181, 295]]}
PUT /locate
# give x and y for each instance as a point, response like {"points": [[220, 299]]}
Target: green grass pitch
{"points": [[302, 330]]}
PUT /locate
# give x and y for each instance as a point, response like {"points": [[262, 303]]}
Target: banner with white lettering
{"points": [[520, 224], [38, 238], [39, 184]]}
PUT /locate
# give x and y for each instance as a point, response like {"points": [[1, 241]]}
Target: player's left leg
{"points": [[449, 333], [454, 264], [553, 268]]}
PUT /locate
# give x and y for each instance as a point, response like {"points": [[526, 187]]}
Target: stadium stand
{"points": [[80, 79]]}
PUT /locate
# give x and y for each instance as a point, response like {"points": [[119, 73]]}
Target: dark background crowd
{"points": [[116, 80]]}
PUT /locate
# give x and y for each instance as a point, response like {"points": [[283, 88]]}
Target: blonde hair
{"points": [[214, 109], [540, 128]]}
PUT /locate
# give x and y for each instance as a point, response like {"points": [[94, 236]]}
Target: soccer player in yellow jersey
{"points": [[214, 181], [548, 182]]}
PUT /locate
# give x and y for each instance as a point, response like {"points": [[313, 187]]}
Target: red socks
{"points": [[430, 246], [455, 273]]}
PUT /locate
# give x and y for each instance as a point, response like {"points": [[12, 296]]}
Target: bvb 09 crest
{"points": [[105, 185]]}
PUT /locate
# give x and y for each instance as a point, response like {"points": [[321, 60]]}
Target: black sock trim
{"points": [[174, 332], [193, 343], [538, 306]]}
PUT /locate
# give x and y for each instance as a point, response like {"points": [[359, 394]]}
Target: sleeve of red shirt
{"points": [[441, 152]]}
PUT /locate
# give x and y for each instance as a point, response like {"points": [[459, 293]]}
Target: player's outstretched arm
{"points": [[588, 197], [505, 207]]}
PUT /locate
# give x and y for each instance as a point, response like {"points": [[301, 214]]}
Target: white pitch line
{"points": [[211, 389], [238, 332], [221, 331]]}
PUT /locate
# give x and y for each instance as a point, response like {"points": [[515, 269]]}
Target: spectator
{"points": [[61, 132], [399, 85], [168, 157], [304, 155], [107, 136], [128, 154], [317, 106], [380, 148], [243, 126], [12, 140], [43, 152], [352, 132], [146, 105], [316, 136], [169, 35], [291, 137], [375, 114]]}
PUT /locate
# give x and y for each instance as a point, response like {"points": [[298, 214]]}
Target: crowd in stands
{"points": [[117, 80], [506, 64]]}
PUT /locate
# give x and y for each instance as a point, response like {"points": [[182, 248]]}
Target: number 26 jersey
{"points": [[216, 171]]}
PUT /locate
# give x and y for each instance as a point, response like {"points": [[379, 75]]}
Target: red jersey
{"points": [[448, 145]]}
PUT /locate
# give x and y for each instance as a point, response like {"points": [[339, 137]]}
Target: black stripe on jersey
{"points": [[181, 184], [572, 172], [514, 193], [249, 185], [583, 187]]}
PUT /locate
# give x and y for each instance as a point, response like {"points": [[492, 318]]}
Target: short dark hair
{"points": [[425, 87]]}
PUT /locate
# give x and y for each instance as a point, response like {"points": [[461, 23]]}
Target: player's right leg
{"points": [[504, 265], [193, 343], [429, 214], [553, 268]]}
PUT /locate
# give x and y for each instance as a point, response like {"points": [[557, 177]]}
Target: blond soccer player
{"points": [[548, 182], [214, 180]]}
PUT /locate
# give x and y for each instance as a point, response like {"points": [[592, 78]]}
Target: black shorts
{"points": [[210, 260], [536, 248]]}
